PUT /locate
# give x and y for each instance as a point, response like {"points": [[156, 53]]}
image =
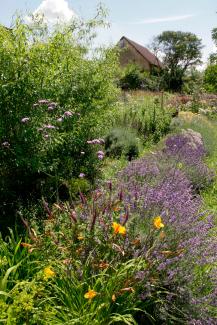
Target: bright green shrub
{"points": [[53, 98], [133, 78], [210, 78]]}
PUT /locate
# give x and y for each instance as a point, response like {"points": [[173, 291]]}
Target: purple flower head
{"points": [[100, 157], [6, 144], [25, 120], [49, 126], [50, 108], [68, 114], [53, 104], [81, 175], [43, 101], [96, 141], [60, 119]]}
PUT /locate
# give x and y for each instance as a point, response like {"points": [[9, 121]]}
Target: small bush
{"points": [[122, 141], [210, 78]]}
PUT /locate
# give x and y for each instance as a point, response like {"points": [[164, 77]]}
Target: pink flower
{"points": [[25, 119], [6, 144], [43, 101], [50, 108], [49, 126], [68, 114]]}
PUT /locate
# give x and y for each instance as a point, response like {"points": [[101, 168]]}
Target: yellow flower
{"points": [[80, 237], [158, 222], [48, 273], [118, 229], [90, 294]]}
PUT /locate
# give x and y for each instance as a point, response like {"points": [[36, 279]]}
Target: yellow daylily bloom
{"points": [[119, 229], [90, 294], [48, 273], [158, 222]]}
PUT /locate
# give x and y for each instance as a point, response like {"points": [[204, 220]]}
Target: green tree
{"points": [[210, 76], [180, 51]]}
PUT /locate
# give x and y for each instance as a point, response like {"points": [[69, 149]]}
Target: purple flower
{"points": [[25, 119], [96, 141], [60, 119], [81, 175], [43, 101], [49, 126], [53, 104], [6, 144], [68, 114], [50, 108], [100, 155]]}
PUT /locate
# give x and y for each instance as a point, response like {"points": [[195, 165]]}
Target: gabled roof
{"points": [[150, 57]]}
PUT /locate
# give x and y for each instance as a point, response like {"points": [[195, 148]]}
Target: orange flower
{"points": [[90, 294], [162, 235], [158, 222], [136, 242], [103, 265], [116, 208], [26, 245], [119, 229], [130, 289]]}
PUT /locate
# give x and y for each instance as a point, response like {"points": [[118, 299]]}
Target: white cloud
{"points": [[55, 10], [161, 20]]}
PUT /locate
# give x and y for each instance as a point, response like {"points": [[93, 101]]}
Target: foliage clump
{"points": [[54, 98]]}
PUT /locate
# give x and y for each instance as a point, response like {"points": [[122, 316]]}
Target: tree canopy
{"points": [[179, 51]]}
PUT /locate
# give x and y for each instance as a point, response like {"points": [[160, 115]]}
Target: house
{"points": [[133, 52]]}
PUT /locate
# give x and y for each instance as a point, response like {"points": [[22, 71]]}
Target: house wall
{"points": [[130, 55]]}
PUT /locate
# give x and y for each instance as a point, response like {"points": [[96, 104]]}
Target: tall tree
{"points": [[179, 51], [210, 76]]}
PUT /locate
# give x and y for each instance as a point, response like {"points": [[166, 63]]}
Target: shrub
{"points": [[53, 99], [133, 78], [122, 141], [210, 79]]}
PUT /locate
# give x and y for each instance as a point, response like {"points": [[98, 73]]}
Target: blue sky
{"points": [[139, 20]]}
